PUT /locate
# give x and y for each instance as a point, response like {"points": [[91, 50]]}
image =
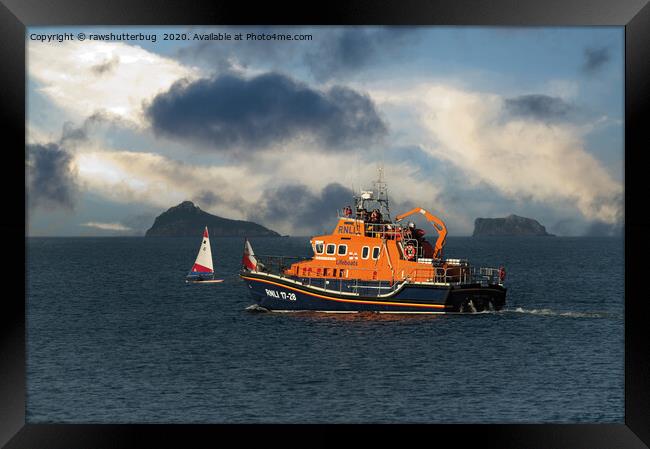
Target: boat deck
{"points": [[275, 267]]}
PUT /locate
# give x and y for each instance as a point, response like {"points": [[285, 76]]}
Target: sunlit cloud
{"points": [[85, 77], [522, 157], [106, 226]]}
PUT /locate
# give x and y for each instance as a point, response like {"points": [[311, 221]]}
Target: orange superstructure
{"points": [[367, 247], [359, 250]]}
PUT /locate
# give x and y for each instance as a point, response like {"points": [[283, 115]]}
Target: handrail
{"points": [[465, 274]]}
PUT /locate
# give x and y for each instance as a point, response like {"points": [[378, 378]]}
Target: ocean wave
{"points": [[551, 312], [254, 308]]}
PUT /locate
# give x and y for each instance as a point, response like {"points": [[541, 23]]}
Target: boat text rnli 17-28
{"points": [[373, 263]]}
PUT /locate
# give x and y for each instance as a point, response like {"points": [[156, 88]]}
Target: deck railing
{"points": [[278, 266], [460, 273]]}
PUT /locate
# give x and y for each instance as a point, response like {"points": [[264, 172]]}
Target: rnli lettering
{"points": [[347, 262], [283, 295], [349, 229]]}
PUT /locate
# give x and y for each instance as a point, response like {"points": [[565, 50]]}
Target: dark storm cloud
{"points": [[308, 212], [356, 48], [595, 58], [302, 209], [231, 111], [540, 107], [51, 183], [107, 66]]}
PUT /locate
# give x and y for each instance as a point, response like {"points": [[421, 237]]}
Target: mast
{"points": [[381, 190], [377, 198]]}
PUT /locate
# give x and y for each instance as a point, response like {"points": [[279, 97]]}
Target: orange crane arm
{"points": [[438, 225]]}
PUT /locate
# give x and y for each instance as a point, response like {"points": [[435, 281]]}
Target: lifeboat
{"points": [[372, 263]]}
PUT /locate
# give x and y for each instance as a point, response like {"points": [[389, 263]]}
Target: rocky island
{"points": [[512, 225], [188, 220]]}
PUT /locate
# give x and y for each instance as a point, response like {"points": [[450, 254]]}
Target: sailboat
{"points": [[202, 270]]}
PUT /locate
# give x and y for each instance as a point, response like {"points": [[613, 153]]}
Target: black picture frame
{"points": [[634, 15]]}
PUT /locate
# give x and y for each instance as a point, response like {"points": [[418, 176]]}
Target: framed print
{"points": [[245, 219]]}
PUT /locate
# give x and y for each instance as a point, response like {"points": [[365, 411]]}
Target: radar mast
{"points": [[377, 198]]}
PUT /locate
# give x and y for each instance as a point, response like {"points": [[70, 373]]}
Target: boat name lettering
{"points": [[348, 229], [283, 295], [347, 262]]}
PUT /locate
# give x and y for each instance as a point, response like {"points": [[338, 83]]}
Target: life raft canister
{"points": [[502, 274], [409, 250]]}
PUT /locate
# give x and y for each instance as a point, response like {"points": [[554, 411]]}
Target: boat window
{"points": [[365, 252], [319, 248], [343, 250], [331, 248], [375, 253], [325, 272]]}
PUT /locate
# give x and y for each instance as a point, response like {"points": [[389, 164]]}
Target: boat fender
{"points": [[409, 250]]}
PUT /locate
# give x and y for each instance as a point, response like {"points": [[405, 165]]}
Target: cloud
{"points": [[128, 176], [107, 226], [107, 66], [525, 160], [539, 107], [72, 135], [240, 56], [602, 229], [587, 228], [231, 112], [139, 223], [51, 177], [334, 52], [207, 198], [84, 77], [353, 49], [301, 209], [595, 58]]}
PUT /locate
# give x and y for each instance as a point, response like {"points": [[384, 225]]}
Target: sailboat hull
{"points": [[207, 281]]}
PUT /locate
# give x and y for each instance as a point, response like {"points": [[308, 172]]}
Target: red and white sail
{"points": [[203, 262], [248, 260]]}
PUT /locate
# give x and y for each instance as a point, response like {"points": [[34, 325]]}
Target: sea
{"points": [[115, 335]]}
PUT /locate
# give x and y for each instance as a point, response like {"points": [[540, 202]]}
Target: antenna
{"points": [[381, 190], [380, 184]]}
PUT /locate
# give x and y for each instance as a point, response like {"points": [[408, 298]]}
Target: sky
{"points": [[467, 122]]}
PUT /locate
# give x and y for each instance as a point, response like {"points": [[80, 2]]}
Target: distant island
{"points": [[512, 225], [188, 220]]}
